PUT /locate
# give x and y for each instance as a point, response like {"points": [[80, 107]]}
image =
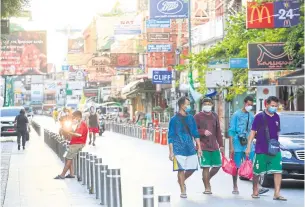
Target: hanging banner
{"points": [[98, 70], [268, 56], [156, 23], [127, 27], [154, 37], [24, 53], [159, 48], [169, 9], [124, 59], [75, 45], [272, 14]]}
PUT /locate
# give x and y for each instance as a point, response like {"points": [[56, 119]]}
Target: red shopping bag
{"points": [[229, 166], [246, 170]]}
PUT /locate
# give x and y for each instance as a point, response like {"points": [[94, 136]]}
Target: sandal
{"points": [[280, 198], [70, 176], [235, 192], [255, 196], [207, 192], [58, 177], [183, 195]]}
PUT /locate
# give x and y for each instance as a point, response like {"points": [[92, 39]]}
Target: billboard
{"points": [[168, 9], [153, 37], [75, 45], [158, 23], [272, 14], [24, 53], [98, 70], [162, 77], [159, 48], [268, 56], [127, 27], [124, 59], [37, 94]]}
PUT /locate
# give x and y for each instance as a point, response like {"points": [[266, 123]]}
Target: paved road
{"points": [[144, 163]]}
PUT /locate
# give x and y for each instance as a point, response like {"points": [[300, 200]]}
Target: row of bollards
{"points": [[149, 198], [36, 127]]}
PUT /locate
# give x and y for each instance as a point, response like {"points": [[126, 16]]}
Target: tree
{"points": [[10, 8], [235, 44]]}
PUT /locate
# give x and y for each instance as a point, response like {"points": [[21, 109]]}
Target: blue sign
{"points": [[162, 23], [169, 9], [162, 77], [286, 13], [65, 67], [159, 48], [238, 62]]}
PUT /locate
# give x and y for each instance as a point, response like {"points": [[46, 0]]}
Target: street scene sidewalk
{"points": [[31, 183], [144, 163]]}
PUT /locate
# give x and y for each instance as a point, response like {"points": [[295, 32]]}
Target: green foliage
{"points": [[11, 8], [234, 45]]}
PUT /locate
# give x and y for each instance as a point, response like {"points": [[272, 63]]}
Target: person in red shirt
{"points": [[78, 138]]}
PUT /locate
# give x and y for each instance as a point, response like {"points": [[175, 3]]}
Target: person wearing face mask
{"points": [[182, 130], [240, 126], [93, 123], [211, 143], [268, 159], [78, 138]]}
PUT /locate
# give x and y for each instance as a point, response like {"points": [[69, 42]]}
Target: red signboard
{"points": [[24, 53], [260, 15], [124, 59]]}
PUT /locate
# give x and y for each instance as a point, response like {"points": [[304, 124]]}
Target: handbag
{"points": [[273, 144]]}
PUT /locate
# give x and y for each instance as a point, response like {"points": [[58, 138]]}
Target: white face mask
{"points": [[207, 108], [248, 108]]}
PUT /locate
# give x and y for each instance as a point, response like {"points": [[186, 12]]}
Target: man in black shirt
{"points": [[22, 127]]}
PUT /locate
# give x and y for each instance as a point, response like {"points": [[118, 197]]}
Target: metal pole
{"points": [[148, 196], [98, 163], [164, 201], [88, 170], [92, 174], [80, 166], [103, 184], [114, 191], [84, 162]]}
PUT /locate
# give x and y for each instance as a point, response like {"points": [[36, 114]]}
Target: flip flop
{"points": [[263, 191], [183, 195], [235, 192], [255, 196], [207, 192], [58, 177], [70, 176], [280, 198]]}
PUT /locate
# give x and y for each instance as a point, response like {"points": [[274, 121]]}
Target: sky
{"points": [[52, 15]]}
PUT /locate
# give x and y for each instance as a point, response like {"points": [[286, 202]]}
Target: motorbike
{"points": [[102, 127]]}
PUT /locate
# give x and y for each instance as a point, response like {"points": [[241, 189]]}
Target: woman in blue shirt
{"points": [[182, 151]]}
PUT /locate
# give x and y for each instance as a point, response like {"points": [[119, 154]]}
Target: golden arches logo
{"points": [[260, 12]]}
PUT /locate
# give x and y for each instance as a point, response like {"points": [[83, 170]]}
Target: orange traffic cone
{"points": [[164, 137], [157, 135]]}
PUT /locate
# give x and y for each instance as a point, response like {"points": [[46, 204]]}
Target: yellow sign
{"points": [[260, 11]]}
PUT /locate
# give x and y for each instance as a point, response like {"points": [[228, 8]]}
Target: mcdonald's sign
{"points": [[260, 15]]}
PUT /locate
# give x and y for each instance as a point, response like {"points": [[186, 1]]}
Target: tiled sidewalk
{"points": [[31, 183]]}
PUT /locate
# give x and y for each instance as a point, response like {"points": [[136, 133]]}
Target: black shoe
{"points": [[23, 147], [89, 142], [18, 147], [93, 144]]}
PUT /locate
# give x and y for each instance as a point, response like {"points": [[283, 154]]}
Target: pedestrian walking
{"points": [[268, 159], [182, 151], [211, 143], [93, 123], [78, 138], [22, 122]]}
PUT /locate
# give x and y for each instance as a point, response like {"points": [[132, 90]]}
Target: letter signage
{"points": [[169, 9], [162, 77]]}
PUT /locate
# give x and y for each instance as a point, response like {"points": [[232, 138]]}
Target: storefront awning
{"points": [[292, 79], [131, 86]]}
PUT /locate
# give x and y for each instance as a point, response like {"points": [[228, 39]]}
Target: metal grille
{"points": [[300, 154]]}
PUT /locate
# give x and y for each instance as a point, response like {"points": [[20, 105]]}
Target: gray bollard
{"points": [[85, 154], [148, 196], [103, 184], [80, 166], [88, 170], [92, 174], [97, 167], [114, 191], [164, 201]]}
